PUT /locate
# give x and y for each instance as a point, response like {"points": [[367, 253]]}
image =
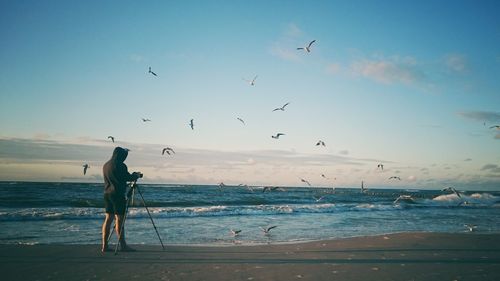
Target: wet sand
{"points": [[408, 256]]}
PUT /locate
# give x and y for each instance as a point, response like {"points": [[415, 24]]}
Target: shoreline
{"points": [[399, 256]]}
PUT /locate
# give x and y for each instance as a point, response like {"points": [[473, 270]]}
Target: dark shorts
{"points": [[114, 204]]}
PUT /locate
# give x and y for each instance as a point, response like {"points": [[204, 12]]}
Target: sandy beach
{"points": [[408, 256]]}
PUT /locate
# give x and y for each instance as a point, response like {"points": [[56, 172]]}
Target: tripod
{"points": [[130, 201]]}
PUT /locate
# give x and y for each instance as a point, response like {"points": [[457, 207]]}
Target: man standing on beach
{"points": [[116, 176]]}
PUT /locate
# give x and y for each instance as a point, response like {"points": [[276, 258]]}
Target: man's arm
{"points": [[128, 176]]}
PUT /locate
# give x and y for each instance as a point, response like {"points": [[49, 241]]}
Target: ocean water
{"points": [[72, 213]]}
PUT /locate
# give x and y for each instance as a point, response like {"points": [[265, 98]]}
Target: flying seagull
{"points": [[305, 181], [235, 232], [272, 188], [394, 178], [146, 120], [452, 190], [241, 120], [277, 136], [112, 138], [251, 82], [281, 108], [319, 198], [168, 150], [191, 124], [266, 230], [403, 198], [496, 126], [323, 176], [308, 47], [85, 167], [320, 142], [151, 71], [381, 166]]}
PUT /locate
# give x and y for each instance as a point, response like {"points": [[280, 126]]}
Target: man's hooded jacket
{"points": [[116, 174]]}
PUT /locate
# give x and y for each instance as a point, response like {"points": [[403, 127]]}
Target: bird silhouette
{"points": [[308, 47], [150, 71], [277, 136], [320, 142], [305, 181], [251, 82], [281, 108], [168, 150], [112, 138], [267, 229], [85, 167]]}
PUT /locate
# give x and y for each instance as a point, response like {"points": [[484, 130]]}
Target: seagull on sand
{"points": [[394, 178], [308, 47], [496, 126], [251, 82], [471, 227], [452, 190], [305, 181], [85, 167], [191, 124], [112, 138], [281, 108], [152, 72], [235, 232], [146, 120], [381, 166], [320, 142], [266, 230], [277, 136], [168, 150], [241, 120]]}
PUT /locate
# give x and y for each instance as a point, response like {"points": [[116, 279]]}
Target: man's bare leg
{"points": [[121, 233], [106, 227]]}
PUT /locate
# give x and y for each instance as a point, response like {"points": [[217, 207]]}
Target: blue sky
{"points": [[410, 84]]}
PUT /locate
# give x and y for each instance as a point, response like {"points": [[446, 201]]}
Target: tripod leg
{"points": [[150, 217], [122, 226]]}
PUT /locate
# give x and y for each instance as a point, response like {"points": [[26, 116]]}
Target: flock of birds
{"points": [[266, 230]]}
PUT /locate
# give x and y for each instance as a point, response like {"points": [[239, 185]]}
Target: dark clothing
{"points": [[116, 176], [114, 204]]}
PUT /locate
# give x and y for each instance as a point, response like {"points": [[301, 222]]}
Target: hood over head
{"points": [[119, 154]]}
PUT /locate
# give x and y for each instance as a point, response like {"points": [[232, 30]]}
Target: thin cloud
{"points": [[489, 167], [333, 68], [137, 58], [456, 63], [284, 53], [284, 47], [483, 116], [389, 71], [293, 30]]}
